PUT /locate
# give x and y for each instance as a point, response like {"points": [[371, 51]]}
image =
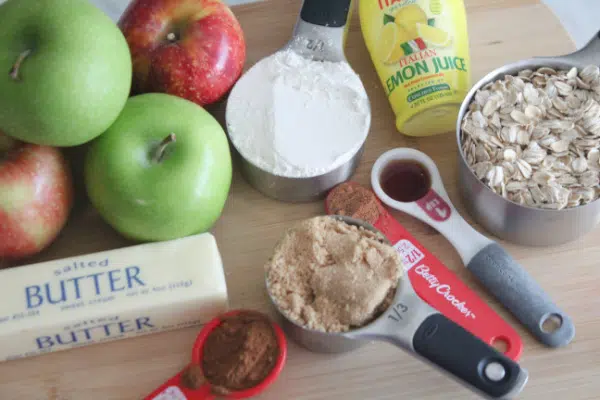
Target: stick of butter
{"points": [[110, 295]]}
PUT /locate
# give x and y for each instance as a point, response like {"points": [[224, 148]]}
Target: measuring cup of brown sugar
{"points": [[408, 180], [236, 356], [411, 324]]}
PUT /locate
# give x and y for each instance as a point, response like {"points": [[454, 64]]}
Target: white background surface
{"points": [[579, 17]]}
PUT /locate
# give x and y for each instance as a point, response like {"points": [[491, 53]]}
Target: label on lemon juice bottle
{"points": [[420, 50]]}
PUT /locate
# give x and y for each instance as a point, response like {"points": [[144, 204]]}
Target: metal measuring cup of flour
{"points": [[511, 221], [319, 34], [413, 325]]}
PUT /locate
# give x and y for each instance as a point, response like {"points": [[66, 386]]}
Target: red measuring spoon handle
{"points": [[441, 288], [173, 389]]}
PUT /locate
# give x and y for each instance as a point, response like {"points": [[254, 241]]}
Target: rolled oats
{"points": [[534, 138]]}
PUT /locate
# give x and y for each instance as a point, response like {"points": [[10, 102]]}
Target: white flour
{"points": [[295, 117]]}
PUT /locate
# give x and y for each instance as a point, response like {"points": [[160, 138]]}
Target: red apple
{"points": [[36, 196], [194, 49]]}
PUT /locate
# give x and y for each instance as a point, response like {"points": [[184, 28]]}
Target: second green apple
{"points": [[162, 171]]}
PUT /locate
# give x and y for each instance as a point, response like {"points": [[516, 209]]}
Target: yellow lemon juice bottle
{"points": [[420, 50]]}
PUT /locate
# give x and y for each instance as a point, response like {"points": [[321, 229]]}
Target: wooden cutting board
{"points": [[501, 31]]}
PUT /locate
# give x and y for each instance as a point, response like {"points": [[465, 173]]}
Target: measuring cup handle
{"points": [[467, 358], [588, 54], [320, 30], [330, 13], [510, 283]]}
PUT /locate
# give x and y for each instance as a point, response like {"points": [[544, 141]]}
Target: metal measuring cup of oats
{"points": [[414, 326], [509, 220]]}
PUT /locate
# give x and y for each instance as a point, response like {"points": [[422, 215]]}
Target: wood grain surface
{"points": [[501, 31]]}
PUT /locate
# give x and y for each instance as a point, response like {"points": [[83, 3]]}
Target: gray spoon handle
{"points": [[320, 30], [520, 294]]}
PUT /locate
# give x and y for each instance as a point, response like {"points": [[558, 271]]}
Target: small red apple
{"points": [[194, 49], [36, 196]]}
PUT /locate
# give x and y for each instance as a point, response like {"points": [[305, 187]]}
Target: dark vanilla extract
{"points": [[405, 180]]}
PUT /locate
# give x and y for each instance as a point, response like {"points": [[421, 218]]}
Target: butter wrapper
{"points": [[110, 295]]}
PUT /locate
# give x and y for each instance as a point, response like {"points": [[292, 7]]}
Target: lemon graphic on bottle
{"points": [[389, 49], [408, 17], [398, 29], [433, 37], [435, 6], [409, 23]]}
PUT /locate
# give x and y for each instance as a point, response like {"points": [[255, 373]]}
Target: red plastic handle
{"points": [[442, 289], [173, 389]]}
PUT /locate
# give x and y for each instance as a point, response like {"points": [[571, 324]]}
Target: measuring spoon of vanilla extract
{"points": [[408, 180]]}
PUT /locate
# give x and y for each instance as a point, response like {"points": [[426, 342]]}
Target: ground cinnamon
{"points": [[353, 200], [240, 353]]}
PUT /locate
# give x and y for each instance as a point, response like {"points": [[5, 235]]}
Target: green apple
{"points": [[65, 71], [162, 171]]}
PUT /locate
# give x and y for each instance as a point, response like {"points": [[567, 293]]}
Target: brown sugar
{"points": [[331, 276], [354, 201], [240, 353]]}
